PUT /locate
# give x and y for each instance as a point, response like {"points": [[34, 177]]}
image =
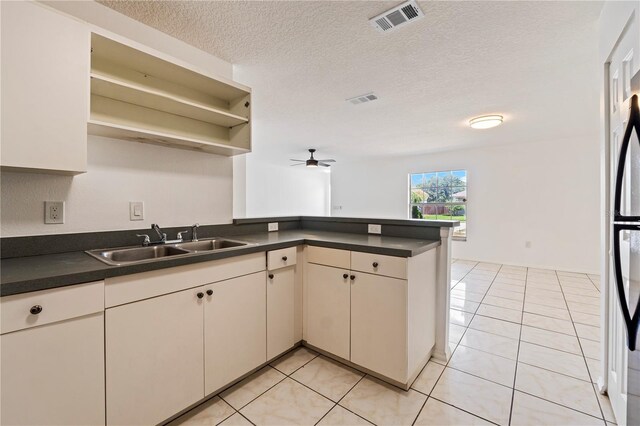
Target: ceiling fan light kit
{"points": [[312, 162]]}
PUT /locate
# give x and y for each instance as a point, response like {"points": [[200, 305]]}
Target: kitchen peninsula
{"points": [[377, 302]]}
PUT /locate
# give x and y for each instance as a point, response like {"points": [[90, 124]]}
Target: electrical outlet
{"points": [[527, 244], [54, 212], [375, 229], [136, 210], [273, 226]]}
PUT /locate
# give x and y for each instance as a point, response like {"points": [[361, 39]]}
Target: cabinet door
{"points": [[328, 309], [54, 374], [235, 330], [154, 357], [379, 324], [45, 89], [280, 311]]}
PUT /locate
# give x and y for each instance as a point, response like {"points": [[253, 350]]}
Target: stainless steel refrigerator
{"points": [[626, 252]]}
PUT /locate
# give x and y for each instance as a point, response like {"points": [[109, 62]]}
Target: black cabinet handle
{"points": [[353, 277], [345, 276], [35, 309], [210, 292], [375, 264], [284, 258], [270, 276], [200, 295]]}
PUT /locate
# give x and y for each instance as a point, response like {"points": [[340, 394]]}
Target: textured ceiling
{"points": [[534, 62]]}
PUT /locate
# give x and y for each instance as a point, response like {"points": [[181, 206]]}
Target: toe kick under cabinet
{"points": [[375, 311]]}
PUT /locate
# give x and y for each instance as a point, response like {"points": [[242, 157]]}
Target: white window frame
{"points": [[465, 203]]}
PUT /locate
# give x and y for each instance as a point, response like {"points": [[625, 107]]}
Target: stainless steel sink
{"points": [[136, 254], [208, 245], [132, 255]]}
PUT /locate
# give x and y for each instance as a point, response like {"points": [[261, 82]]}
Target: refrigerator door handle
{"points": [[633, 124], [632, 322]]}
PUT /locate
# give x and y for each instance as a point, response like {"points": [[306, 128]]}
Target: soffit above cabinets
{"points": [[142, 98]]}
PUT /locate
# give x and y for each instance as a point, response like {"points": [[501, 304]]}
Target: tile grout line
{"points": [[515, 373], [466, 327], [558, 404], [324, 396], [270, 387], [432, 388], [461, 409], [344, 396], [258, 396], [584, 358], [562, 374], [446, 365]]}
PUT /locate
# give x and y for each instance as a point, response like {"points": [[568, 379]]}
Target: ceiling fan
{"points": [[312, 162]]}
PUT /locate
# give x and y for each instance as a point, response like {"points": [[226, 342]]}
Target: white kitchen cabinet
{"points": [[234, 329], [154, 357], [382, 320], [45, 89], [52, 356], [378, 324], [328, 309], [54, 374], [139, 96], [280, 311]]}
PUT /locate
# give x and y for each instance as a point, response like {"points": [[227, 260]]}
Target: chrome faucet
{"points": [[146, 241], [194, 232], [161, 235]]}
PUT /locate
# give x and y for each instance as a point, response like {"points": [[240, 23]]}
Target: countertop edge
{"points": [[56, 281], [397, 222]]}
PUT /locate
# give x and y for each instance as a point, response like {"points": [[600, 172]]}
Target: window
{"points": [[440, 196]]}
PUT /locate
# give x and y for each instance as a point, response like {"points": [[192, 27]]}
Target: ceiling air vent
{"points": [[397, 17], [362, 98]]}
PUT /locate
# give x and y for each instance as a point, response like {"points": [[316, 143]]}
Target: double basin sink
{"points": [[132, 255]]}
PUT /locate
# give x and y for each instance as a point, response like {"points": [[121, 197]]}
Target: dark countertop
{"points": [[32, 273], [380, 221]]}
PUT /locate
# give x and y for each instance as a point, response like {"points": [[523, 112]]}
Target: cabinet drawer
{"points": [[389, 266], [57, 304], [329, 257], [277, 259]]}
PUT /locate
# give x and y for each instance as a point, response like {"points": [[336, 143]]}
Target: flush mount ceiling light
{"points": [[485, 121]]}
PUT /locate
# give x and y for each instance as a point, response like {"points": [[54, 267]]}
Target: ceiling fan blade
{"points": [[328, 161], [299, 164], [323, 164], [291, 159]]}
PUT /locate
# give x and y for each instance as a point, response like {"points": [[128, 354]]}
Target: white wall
{"points": [[178, 187], [546, 193], [264, 183], [281, 190]]}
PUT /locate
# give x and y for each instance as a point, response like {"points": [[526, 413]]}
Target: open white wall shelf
{"points": [[139, 97]]}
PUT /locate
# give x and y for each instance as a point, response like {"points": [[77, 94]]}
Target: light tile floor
{"points": [[525, 345]]}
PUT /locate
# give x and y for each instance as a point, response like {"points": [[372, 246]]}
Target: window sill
{"points": [[459, 238]]}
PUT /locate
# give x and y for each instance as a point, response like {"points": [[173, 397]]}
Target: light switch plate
{"points": [[273, 226], [136, 210], [54, 212], [375, 229]]}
